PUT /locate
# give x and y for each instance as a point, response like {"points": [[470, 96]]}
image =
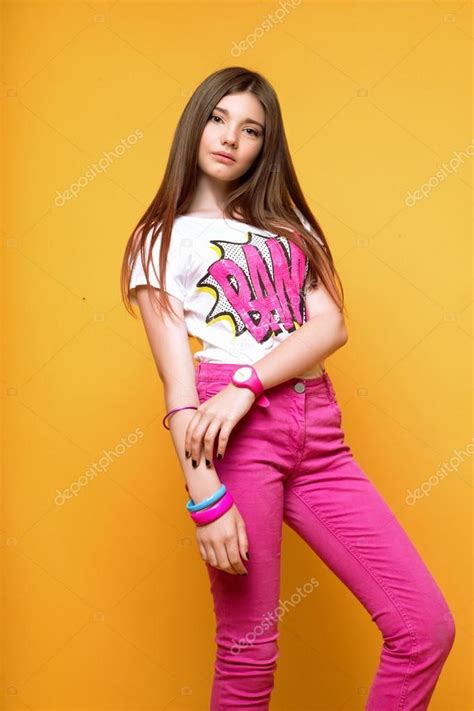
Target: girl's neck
{"points": [[208, 215]]}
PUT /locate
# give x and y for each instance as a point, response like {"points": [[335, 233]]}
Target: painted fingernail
{"points": [[219, 456], [247, 554], [187, 454], [194, 463], [208, 463]]}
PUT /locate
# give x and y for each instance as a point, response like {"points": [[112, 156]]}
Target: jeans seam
{"points": [[291, 447], [224, 619], [414, 654], [337, 410], [324, 403]]}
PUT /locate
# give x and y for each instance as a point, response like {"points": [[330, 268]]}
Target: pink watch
{"points": [[246, 377]]}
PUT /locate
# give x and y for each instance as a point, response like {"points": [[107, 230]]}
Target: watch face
{"points": [[243, 374]]}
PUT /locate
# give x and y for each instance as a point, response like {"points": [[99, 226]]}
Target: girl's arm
{"points": [[322, 334], [168, 339]]}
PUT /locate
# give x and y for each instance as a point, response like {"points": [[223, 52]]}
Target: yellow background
{"points": [[105, 597]]}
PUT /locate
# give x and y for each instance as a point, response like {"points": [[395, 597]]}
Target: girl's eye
{"points": [[255, 133]]}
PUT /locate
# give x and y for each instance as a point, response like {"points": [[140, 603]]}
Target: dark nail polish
{"points": [[248, 556], [194, 463], [208, 463], [187, 454], [219, 456]]}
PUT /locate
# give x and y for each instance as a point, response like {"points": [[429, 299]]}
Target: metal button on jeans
{"points": [[299, 387]]}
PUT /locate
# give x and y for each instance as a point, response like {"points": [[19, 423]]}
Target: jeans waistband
{"points": [[222, 373]]}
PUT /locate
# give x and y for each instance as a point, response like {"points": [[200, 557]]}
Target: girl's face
{"points": [[235, 127]]}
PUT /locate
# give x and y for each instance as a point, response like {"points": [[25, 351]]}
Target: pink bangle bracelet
{"points": [[214, 512], [176, 409]]}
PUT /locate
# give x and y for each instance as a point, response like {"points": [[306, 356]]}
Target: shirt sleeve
{"points": [[175, 268]]}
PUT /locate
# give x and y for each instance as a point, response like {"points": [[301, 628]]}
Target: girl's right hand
{"points": [[223, 543]]}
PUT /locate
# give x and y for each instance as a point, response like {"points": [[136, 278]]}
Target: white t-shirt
{"points": [[242, 288]]}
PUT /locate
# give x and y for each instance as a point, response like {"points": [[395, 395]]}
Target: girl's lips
{"points": [[222, 158]]}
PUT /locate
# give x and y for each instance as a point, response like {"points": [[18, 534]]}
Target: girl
{"points": [[229, 252]]}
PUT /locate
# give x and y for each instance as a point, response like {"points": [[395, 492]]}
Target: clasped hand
{"points": [[217, 416]]}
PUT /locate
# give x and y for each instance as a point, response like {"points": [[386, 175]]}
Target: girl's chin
{"points": [[226, 176]]}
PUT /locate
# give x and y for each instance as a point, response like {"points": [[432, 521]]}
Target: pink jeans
{"points": [[289, 462]]}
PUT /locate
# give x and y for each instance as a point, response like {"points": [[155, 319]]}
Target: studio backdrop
{"points": [[106, 602]]}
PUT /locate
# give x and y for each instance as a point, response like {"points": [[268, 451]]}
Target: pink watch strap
{"points": [[263, 401]]}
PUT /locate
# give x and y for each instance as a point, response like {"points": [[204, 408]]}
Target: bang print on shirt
{"points": [[241, 288], [257, 285]]}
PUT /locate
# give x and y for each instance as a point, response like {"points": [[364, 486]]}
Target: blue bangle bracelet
{"points": [[191, 506]]}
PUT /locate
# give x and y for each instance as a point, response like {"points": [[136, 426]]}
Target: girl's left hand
{"points": [[218, 414]]}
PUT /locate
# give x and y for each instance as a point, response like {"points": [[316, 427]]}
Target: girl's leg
{"points": [[246, 607], [336, 509]]}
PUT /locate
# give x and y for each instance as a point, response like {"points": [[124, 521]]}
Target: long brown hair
{"points": [[266, 195]]}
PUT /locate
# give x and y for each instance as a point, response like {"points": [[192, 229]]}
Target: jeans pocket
{"points": [[208, 388], [212, 387], [201, 391]]}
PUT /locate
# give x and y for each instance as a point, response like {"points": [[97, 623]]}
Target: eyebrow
{"points": [[247, 120]]}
